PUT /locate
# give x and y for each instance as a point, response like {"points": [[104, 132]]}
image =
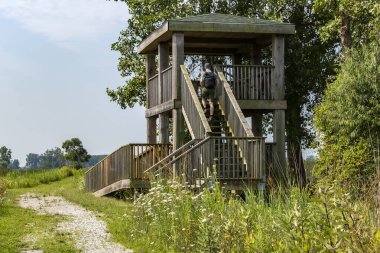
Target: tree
{"points": [[75, 153], [15, 164], [348, 120], [52, 158], [5, 157], [309, 60], [32, 161], [349, 21]]}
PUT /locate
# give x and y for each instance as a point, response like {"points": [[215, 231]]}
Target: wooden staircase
{"points": [[223, 149]]}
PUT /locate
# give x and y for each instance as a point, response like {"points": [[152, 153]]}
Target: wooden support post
{"points": [[151, 130], [150, 68], [163, 63], [178, 60], [236, 59], [279, 139], [278, 93], [278, 89], [257, 117], [164, 128]]}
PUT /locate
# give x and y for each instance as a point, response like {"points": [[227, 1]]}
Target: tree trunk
{"points": [[296, 164], [294, 148], [345, 31]]}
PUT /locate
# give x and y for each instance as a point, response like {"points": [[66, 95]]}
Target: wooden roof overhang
{"points": [[216, 34]]}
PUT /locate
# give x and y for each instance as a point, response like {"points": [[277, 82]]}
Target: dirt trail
{"points": [[89, 233]]}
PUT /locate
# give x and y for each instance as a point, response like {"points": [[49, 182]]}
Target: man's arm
{"points": [[202, 80]]}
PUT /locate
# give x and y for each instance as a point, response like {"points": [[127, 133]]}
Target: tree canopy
{"points": [[5, 157], [75, 153]]}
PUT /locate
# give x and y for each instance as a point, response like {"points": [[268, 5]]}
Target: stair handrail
{"points": [[233, 112], [176, 152], [192, 109]]}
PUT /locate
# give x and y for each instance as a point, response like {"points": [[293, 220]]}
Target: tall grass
{"points": [[172, 219], [31, 178], [2, 190]]}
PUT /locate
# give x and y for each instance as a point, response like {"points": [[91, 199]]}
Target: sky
{"points": [[55, 65]]}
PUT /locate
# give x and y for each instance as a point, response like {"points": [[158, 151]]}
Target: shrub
{"points": [[170, 218]]}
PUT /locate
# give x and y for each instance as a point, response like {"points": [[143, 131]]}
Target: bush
{"points": [[349, 124], [31, 178], [172, 219]]}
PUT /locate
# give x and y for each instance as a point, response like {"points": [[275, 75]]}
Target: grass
{"points": [[31, 178], [17, 223], [172, 219]]}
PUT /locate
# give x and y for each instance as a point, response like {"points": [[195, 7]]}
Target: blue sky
{"points": [[55, 65]]}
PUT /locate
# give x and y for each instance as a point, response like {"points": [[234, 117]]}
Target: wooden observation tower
{"points": [[228, 147]]}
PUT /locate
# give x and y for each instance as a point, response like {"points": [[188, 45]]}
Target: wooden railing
{"points": [[153, 92], [128, 162], [169, 159], [154, 97], [192, 109], [219, 155], [249, 81], [167, 85]]}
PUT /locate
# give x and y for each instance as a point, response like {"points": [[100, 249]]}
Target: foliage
{"points": [[52, 158], [75, 152], [32, 161], [93, 160], [5, 157], [2, 190], [15, 164], [172, 219], [348, 120], [32, 178], [363, 17]]}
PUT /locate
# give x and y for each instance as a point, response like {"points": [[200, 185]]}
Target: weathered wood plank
{"points": [[162, 108]]}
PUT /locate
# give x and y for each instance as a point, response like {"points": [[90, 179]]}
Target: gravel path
{"points": [[89, 233]]}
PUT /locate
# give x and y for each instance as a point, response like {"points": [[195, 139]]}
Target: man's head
{"points": [[207, 65]]}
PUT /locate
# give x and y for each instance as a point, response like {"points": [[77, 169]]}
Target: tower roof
{"points": [[219, 26]]}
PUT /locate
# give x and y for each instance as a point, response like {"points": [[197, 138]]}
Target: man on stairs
{"points": [[208, 82]]}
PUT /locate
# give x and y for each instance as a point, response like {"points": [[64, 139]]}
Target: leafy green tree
{"points": [[348, 120], [52, 158], [351, 22], [32, 161], [15, 164], [5, 157], [75, 153], [309, 60]]}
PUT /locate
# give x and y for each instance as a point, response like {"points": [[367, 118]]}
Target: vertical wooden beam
{"points": [[163, 63], [278, 93], [236, 59], [178, 60], [279, 139], [164, 128], [257, 117], [151, 130], [278, 89], [150, 68]]}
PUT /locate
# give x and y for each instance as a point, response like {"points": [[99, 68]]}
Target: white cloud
{"points": [[66, 21]]}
